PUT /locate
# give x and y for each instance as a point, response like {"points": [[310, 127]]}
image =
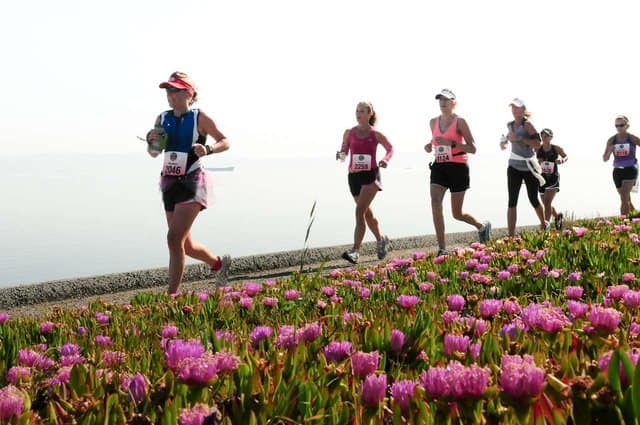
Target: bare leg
{"points": [[437, 195], [457, 199], [625, 197], [180, 222], [367, 193], [547, 199]]}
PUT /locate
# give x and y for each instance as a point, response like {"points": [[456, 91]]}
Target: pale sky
{"points": [[283, 77]]}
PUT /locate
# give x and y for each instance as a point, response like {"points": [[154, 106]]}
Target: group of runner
{"points": [[182, 132]]}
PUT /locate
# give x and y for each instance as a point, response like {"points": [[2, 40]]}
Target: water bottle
{"points": [[503, 142], [160, 143], [341, 156]]}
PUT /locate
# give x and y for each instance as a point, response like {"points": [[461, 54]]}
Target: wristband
{"points": [[209, 149], [454, 144]]}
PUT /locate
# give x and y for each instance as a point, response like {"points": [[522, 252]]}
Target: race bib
{"points": [[361, 162], [175, 163], [547, 167], [443, 153], [621, 149]]}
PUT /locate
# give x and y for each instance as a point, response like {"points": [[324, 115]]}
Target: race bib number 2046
{"points": [[175, 163]]}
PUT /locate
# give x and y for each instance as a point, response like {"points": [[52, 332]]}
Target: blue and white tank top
{"points": [[182, 134]]}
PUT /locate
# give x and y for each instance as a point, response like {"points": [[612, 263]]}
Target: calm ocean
{"points": [[71, 215]]}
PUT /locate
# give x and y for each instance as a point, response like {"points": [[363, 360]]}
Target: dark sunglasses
{"points": [[173, 89], [620, 125]]}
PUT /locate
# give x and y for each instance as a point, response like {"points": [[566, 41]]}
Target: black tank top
{"points": [[551, 156]]}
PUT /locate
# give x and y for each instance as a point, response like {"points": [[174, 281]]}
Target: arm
{"points": [[608, 150], [345, 144], [388, 147], [563, 154], [533, 138], [635, 139], [429, 146], [469, 144], [207, 127]]}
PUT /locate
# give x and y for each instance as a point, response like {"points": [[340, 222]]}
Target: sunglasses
{"points": [[620, 125], [174, 89]]}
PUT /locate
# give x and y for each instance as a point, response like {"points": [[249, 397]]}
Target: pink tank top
{"points": [[447, 153], [363, 151]]}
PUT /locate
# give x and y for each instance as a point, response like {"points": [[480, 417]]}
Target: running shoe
{"points": [[558, 221], [222, 274], [442, 251], [382, 246], [484, 234], [351, 256]]}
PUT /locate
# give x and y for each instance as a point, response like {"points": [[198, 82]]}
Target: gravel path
{"points": [[41, 299]]}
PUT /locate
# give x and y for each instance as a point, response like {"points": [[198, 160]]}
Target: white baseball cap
{"points": [[517, 102], [447, 94]]}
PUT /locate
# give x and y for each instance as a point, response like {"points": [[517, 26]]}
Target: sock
{"points": [[218, 265]]}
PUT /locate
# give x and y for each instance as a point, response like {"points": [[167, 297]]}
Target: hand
{"points": [[428, 147], [152, 136], [503, 146], [382, 163], [512, 136], [199, 150]]}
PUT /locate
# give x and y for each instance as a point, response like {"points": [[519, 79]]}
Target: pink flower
{"points": [[574, 276], [329, 291], [425, 286], [47, 327], [112, 358], [291, 295], [464, 275], [490, 308], [455, 344], [577, 309], [511, 307], [179, 350], [103, 318], [18, 374], [616, 292], [3, 317], [439, 259], [408, 301], [419, 255], [574, 292], [628, 277], [513, 268], [245, 302], [252, 288], [169, 331], [402, 392], [269, 301], [287, 337], [373, 390], [455, 302], [137, 386], [365, 292], [260, 333], [579, 231], [196, 415], [11, 402], [631, 299], [504, 275], [337, 351], [520, 378], [310, 332], [103, 340], [363, 364], [198, 371], [397, 341], [604, 319]]}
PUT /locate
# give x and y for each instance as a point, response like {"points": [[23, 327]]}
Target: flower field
{"points": [[539, 329]]}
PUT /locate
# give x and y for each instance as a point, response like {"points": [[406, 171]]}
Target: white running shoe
{"points": [[351, 256]]}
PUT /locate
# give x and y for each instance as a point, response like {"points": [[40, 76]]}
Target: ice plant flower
{"points": [[112, 358], [329, 291], [226, 362], [287, 337], [198, 371], [103, 340], [337, 351], [544, 317], [580, 231], [449, 317], [577, 309], [520, 378], [408, 301], [425, 286], [631, 299], [504, 275], [17, 374], [474, 349], [402, 392], [616, 292], [396, 341], [11, 402], [245, 302], [252, 288], [102, 318], [137, 387], [196, 415], [260, 333], [34, 359], [455, 381], [310, 332], [574, 277], [179, 350], [373, 390], [47, 327], [490, 308], [269, 301], [455, 343], [169, 331], [628, 277], [574, 292], [604, 319], [4, 317], [511, 307], [455, 302], [363, 364], [291, 295]]}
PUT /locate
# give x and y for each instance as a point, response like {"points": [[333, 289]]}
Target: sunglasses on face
{"points": [[174, 90], [620, 125]]}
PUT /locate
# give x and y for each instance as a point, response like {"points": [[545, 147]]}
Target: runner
{"points": [[522, 164], [625, 165], [451, 140], [364, 176], [549, 157], [182, 133]]}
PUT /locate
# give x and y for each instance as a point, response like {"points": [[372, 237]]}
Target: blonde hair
{"points": [[623, 118]]}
